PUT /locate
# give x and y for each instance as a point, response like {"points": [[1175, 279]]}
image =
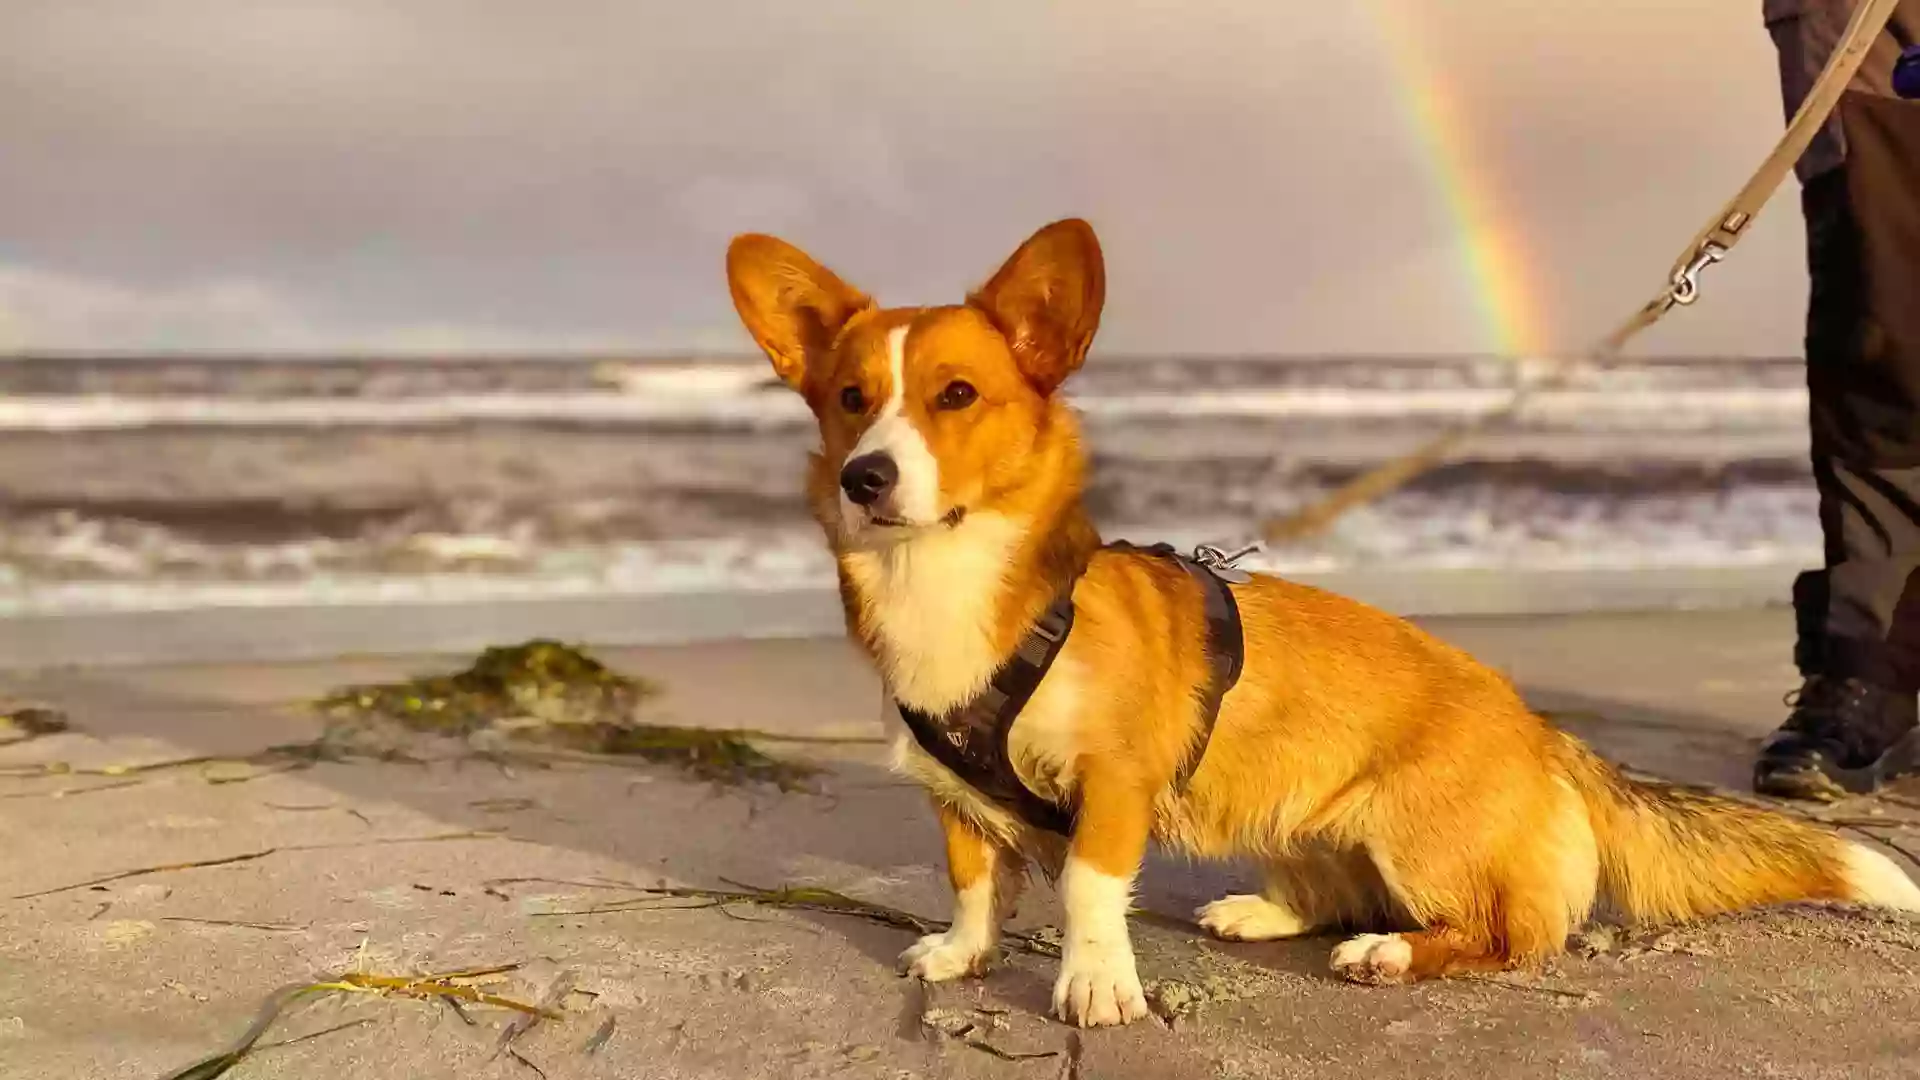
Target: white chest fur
{"points": [[932, 606]]}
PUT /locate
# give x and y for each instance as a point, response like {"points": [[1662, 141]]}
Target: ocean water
{"points": [[151, 483]]}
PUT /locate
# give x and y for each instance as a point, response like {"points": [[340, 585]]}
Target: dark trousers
{"points": [[1860, 614]]}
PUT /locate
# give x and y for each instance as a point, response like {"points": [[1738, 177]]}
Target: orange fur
{"points": [[970, 857], [1381, 777]]}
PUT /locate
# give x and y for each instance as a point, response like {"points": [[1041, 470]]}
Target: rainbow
{"points": [[1500, 275]]}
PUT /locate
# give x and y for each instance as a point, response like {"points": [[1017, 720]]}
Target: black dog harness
{"points": [[971, 741]]}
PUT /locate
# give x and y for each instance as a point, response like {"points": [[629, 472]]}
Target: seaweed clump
{"points": [[20, 723], [542, 696]]}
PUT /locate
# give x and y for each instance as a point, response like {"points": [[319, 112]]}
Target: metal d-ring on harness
{"points": [[971, 740]]}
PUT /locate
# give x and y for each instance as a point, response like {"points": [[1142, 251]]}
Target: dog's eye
{"points": [[852, 400], [958, 395]]}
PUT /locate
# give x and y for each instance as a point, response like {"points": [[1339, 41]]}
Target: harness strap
{"points": [[972, 741], [1226, 652], [1226, 646]]}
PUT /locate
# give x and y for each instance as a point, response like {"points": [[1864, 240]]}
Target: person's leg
{"points": [[1859, 617]]}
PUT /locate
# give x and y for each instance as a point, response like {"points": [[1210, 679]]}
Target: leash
{"points": [[1708, 247]]}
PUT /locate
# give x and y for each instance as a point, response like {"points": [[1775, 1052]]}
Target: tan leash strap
{"points": [[1709, 246], [1869, 20]]}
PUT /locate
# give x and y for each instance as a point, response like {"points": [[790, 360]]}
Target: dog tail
{"points": [[1670, 853]]}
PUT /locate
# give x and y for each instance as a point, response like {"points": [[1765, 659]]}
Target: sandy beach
{"points": [[112, 967]]}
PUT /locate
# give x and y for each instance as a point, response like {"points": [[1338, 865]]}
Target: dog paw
{"points": [[939, 957], [1098, 987], [1373, 959], [1250, 918]]}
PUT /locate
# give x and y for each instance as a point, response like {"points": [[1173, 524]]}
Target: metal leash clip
{"points": [[1686, 280], [1219, 562]]}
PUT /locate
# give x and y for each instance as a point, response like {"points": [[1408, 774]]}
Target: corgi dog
{"points": [[1382, 780]]}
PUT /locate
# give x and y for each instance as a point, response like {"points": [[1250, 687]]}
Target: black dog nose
{"points": [[866, 478]]}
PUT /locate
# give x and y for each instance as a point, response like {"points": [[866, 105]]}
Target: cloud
{"points": [[572, 172], [49, 311]]}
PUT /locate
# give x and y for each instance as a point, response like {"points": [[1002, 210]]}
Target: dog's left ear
{"points": [[1047, 300]]}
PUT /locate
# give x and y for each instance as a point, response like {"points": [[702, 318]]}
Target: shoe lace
{"points": [[1851, 713], [1821, 697]]}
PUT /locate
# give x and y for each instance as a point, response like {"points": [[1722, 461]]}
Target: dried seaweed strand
{"points": [[278, 928], [600, 1036], [564, 882], [312, 1035], [439, 987], [967, 1038], [71, 792], [1554, 991], [219, 1064], [430, 987], [250, 856], [515, 1054], [61, 768]]}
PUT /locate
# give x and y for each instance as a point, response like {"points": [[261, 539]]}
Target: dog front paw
{"points": [[1373, 959], [1099, 987], [939, 957]]}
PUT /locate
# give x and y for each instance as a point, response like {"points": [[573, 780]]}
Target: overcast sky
{"points": [[254, 174]]}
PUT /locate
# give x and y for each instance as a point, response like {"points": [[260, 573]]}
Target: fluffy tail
{"points": [[1670, 853]]}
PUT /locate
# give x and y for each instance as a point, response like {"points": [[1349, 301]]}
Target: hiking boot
{"points": [[1844, 737]]}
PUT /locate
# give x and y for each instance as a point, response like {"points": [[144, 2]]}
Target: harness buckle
{"points": [[1049, 629], [1220, 562]]}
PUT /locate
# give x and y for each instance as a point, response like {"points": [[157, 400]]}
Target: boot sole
{"points": [[1820, 780]]}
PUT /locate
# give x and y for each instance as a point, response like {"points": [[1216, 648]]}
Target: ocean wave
{"points": [[48, 555], [1660, 409], [135, 485]]}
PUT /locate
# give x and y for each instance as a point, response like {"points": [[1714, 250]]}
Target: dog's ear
{"points": [[1047, 300], [793, 306]]}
